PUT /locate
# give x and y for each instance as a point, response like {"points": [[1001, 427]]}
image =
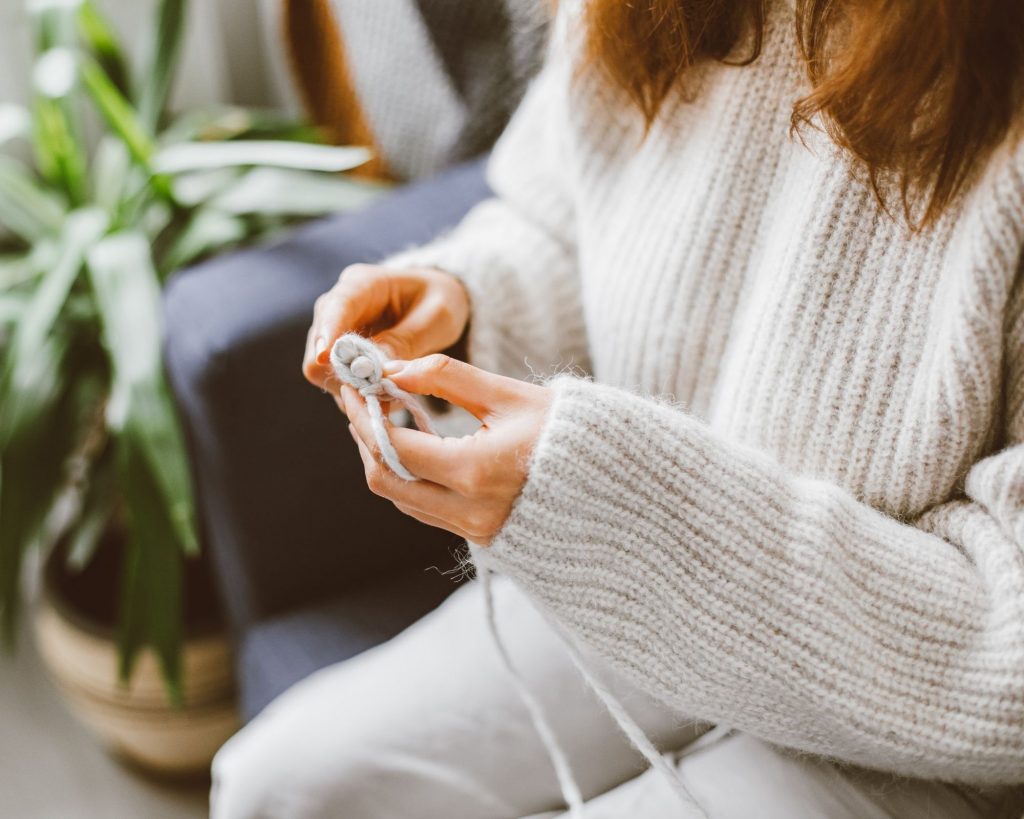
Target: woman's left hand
{"points": [[467, 485]]}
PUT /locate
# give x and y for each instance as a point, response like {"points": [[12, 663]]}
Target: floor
{"points": [[51, 768]]}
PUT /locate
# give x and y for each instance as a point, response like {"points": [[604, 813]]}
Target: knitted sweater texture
{"points": [[789, 496]]}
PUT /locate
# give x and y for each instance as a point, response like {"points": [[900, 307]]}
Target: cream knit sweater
{"points": [[791, 497]]}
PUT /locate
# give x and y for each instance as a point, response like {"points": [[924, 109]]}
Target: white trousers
{"points": [[429, 726]]}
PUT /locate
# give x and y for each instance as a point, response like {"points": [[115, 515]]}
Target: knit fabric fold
{"points": [[790, 499]]}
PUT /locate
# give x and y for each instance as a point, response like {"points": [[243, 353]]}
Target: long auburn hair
{"points": [[919, 92]]}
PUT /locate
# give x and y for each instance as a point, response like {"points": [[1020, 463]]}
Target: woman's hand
{"points": [[408, 312], [467, 484]]}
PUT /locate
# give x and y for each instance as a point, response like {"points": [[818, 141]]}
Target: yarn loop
{"points": [[359, 362]]}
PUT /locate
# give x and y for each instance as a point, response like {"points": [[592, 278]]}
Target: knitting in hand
{"points": [[359, 363], [410, 313], [467, 484]]}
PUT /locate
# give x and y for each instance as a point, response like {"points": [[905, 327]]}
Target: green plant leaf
{"points": [[225, 122], [31, 463], [166, 47], [151, 579], [207, 231], [26, 359], [117, 112], [285, 192], [102, 41], [111, 167], [123, 121], [97, 508], [192, 189], [26, 208], [54, 22], [140, 409], [197, 156], [58, 148], [59, 140], [16, 269], [12, 305]]}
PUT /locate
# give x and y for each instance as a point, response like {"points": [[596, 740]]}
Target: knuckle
{"points": [[479, 524], [437, 363], [376, 480], [445, 313], [357, 273], [470, 480], [398, 342]]}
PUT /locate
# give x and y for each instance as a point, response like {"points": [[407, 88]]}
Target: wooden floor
{"points": [[50, 768]]}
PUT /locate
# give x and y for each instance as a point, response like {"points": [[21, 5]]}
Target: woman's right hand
{"points": [[410, 313]]}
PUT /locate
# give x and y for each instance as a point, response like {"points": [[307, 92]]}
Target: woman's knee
{"points": [[248, 776], [259, 774]]}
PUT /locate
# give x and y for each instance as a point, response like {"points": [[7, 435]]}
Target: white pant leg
{"points": [[428, 725], [741, 777]]}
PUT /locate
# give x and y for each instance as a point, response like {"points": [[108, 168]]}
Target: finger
{"points": [[444, 461], [422, 328], [482, 393], [434, 459], [358, 299], [314, 372], [424, 497]]}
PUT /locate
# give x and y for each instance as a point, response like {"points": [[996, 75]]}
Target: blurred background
{"points": [[178, 182], [231, 52]]}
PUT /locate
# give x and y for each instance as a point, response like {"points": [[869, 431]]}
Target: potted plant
{"points": [[93, 472]]}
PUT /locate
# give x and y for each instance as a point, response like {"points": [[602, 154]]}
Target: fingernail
{"points": [[394, 366], [319, 348]]}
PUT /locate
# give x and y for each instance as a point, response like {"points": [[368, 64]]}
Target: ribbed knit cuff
{"points": [[589, 474]]}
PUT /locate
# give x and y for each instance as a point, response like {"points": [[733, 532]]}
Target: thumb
{"points": [[481, 393]]}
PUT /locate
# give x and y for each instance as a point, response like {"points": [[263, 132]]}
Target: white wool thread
{"points": [[566, 781], [634, 733], [359, 362]]}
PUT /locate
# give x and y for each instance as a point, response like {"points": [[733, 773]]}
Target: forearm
{"points": [[777, 605]]}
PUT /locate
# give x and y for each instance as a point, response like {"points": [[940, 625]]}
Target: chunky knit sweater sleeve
{"points": [[516, 252], [779, 605]]}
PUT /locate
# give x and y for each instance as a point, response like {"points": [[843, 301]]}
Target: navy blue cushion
{"points": [[273, 460], [276, 653], [286, 516]]}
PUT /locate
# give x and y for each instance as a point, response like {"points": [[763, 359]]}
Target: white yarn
{"points": [[634, 733], [566, 782], [359, 362]]}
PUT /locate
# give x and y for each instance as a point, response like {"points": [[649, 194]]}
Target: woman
{"points": [[785, 240]]}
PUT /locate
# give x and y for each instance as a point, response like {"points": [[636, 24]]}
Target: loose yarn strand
{"points": [[359, 362], [566, 782], [634, 733]]}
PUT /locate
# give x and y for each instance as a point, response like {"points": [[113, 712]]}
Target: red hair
{"points": [[918, 92]]}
